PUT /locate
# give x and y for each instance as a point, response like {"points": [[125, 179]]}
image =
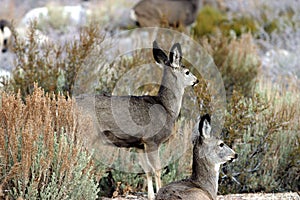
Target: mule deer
{"points": [[145, 122], [148, 13], [75, 15], [5, 34], [208, 154]]}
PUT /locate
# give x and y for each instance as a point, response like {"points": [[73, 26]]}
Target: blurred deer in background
{"points": [[149, 13]]}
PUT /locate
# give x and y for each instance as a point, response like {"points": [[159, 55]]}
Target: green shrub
{"points": [[276, 21], [241, 25], [53, 66], [42, 156], [208, 21], [213, 22], [265, 135]]}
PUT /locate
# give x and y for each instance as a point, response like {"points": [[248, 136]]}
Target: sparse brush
{"points": [[41, 154], [114, 75], [242, 113], [237, 60], [53, 66], [263, 130]]}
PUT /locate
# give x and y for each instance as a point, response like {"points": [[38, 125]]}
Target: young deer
{"points": [[208, 154], [145, 122]]}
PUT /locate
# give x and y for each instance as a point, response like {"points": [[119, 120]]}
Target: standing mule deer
{"points": [[145, 122], [208, 154]]}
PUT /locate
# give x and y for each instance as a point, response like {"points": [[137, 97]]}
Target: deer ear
{"points": [[158, 54], [205, 127], [175, 55], [6, 32]]}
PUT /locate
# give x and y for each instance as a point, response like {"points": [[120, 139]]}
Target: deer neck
{"points": [[171, 93], [205, 174], [195, 3]]}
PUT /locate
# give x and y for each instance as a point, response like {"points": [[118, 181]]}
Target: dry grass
{"points": [[40, 148], [238, 65]]}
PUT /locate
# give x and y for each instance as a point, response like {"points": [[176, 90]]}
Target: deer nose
{"points": [[234, 158], [196, 82]]}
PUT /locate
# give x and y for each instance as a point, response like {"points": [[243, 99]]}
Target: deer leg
{"points": [[158, 179], [148, 170], [154, 160], [150, 186]]}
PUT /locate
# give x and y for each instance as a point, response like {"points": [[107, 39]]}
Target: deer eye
{"points": [[187, 72], [221, 144]]}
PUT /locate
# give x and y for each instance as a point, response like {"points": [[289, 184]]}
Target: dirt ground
{"points": [[254, 196], [262, 196]]}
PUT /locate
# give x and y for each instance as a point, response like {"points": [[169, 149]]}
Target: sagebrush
{"points": [[41, 154]]}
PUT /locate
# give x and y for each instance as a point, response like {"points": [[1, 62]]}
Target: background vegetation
{"points": [[41, 129]]}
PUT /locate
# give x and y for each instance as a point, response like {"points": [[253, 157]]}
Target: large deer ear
{"points": [[158, 54], [6, 32], [205, 127], [195, 133], [201, 130], [175, 55]]}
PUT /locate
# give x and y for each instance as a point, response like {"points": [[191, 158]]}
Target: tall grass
{"points": [[238, 65], [41, 154]]}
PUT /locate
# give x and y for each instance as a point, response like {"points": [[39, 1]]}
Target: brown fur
{"points": [[208, 154], [151, 13], [145, 122]]}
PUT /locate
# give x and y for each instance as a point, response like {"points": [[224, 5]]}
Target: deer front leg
{"points": [[153, 157], [151, 195], [148, 170], [158, 179]]}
